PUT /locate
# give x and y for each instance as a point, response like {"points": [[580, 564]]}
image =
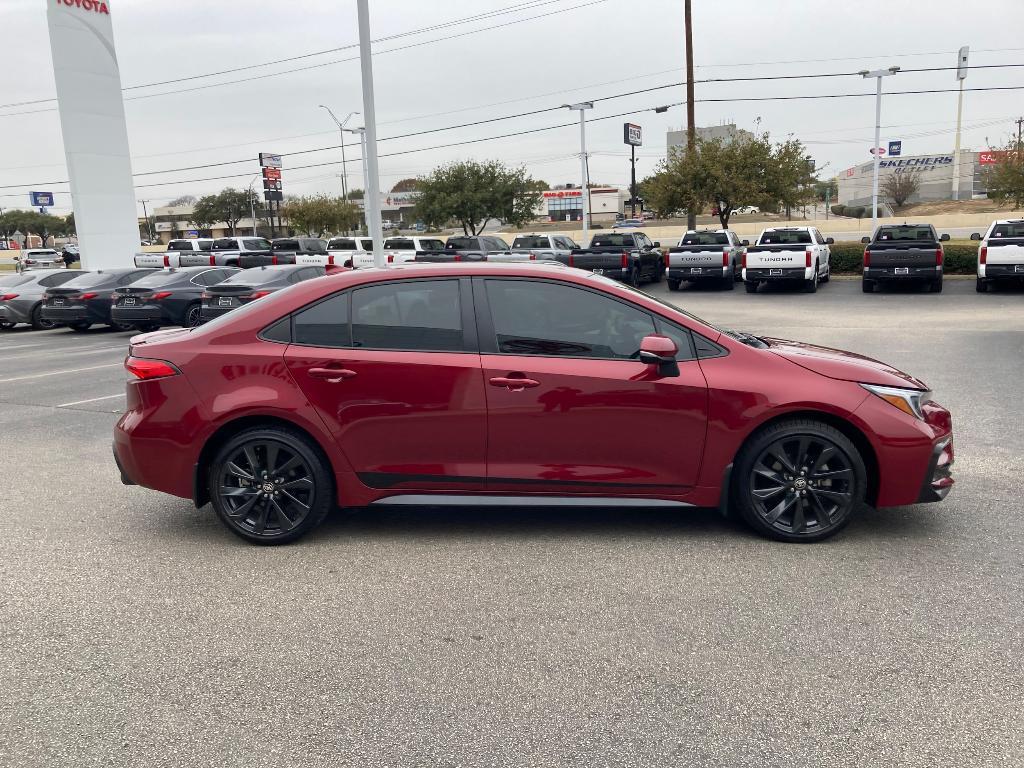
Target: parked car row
{"points": [[143, 298]]}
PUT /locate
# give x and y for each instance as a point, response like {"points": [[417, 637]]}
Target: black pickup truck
{"points": [[477, 248], [903, 253], [627, 256]]}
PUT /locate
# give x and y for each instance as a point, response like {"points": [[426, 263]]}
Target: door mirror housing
{"points": [[865, 240], [745, 243], [660, 351], [975, 235], [657, 244], [944, 237], [830, 241]]}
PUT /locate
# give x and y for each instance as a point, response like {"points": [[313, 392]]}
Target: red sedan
{"points": [[516, 384]]}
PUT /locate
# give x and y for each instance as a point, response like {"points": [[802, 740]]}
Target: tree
{"points": [[355, 194], [205, 212], [472, 193], [406, 185], [44, 225], [1005, 179], [69, 224], [900, 187], [229, 205], [790, 175], [183, 200], [319, 215]]}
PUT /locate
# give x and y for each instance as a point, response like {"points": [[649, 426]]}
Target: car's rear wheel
{"points": [[981, 286], [634, 277], [799, 480], [728, 283], [193, 316], [270, 485], [751, 287], [811, 286], [868, 286], [936, 286], [38, 322], [673, 285]]}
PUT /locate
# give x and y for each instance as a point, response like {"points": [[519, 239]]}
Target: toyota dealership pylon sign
{"points": [[95, 136]]}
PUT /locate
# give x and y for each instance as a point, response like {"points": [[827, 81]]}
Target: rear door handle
{"points": [[514, 383], [332, 375]]}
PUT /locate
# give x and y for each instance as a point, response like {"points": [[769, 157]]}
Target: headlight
{"points": [[907, 400]]}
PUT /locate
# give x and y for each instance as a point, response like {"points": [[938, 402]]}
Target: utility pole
{"points": [[1020, 122], [252, 204], [582, 107], [878, 74], [372, 191], [961, 75], [145, 212], [691, 121]]}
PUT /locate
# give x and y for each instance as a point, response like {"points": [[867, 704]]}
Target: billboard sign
{"points": [[267, 160], [41, 199], [895, 148], [632, 134], [272, 174]]}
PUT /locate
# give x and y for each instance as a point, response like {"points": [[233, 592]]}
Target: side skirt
{"points": [[473, 500]]}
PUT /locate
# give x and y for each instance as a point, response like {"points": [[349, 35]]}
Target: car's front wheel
{"points": [[270, 485], [799, 480]]}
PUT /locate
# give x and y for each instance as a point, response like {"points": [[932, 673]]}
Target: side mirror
{"points": [[865, 240], [830, 241], [657, 244], [944, 237], [975, 235], [660, 351], [745, 242]]}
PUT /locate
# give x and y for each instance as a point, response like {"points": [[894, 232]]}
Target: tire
{"points": [[779, 502], [658, 274], [37, 321], [828, 274], [250, 465], [936, 286], [811, 286], [80, 327], [981, 286], [121, 326], [729, 283], [673, 285], [751, 287], [634, 278], [193, 315], [868, 286]]}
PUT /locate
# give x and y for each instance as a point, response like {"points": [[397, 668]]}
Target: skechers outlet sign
{"points": [[918, 163], [86, 5]]}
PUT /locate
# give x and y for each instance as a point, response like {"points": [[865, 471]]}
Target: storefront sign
{"points": [[632, 134], [563, 193]]}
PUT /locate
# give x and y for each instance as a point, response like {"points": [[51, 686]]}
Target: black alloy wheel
{"points": [[634, 277], [799, 481], [38, 322], [193, 315], [270, 486]]}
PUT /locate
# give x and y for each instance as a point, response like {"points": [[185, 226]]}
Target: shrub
{"points": [[837, 210]]}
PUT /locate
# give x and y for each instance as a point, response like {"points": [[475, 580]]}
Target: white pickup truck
{"points": [[705, 255], [1001, 254], [788, 254], [172, 256], [398, 250], [341, 250]]}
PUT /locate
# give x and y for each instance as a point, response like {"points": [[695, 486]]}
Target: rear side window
{"points": [[225, 244], [460, 243], [256, 244], [432, 245], [325, 324], [205, 245], [782, 237], [705, 238], [1015, 229], [131, 277], [411, 315]]}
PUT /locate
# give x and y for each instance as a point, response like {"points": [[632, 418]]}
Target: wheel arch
{"points": [[229, 429], [848, 428]]}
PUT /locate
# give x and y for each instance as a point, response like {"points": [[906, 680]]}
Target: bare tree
{"points": [[900, 187]]}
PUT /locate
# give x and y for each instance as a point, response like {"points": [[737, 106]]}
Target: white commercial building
{"points": [[935, 173]]}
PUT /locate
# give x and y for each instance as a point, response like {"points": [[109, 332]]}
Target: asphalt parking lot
{"points": [[135, 630]]}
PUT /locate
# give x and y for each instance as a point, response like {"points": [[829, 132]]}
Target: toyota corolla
{"points": [[514, 384]]}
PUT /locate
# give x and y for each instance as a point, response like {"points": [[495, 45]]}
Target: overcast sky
{"points": [[585, 49]]}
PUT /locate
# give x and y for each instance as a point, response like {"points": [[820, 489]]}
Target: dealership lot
{"points": [[130, 623]]}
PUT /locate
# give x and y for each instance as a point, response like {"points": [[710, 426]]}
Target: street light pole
{"points": [[372, 192], [361, 132], [341, 132], [582, 107], [961, 75], [149, 225], [878, 74], [252, 204], [691, 122]]}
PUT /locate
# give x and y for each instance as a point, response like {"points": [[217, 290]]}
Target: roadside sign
{"points": [[895, 148], [274, 184], [632, 134], [961, 63], [272, 174], [271, 196], [41, 199], [268, 160], [877, 151]]}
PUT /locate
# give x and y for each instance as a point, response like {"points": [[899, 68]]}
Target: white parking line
{"points": [[58, 373], [90, 400], [63, 353], [20, 346]]}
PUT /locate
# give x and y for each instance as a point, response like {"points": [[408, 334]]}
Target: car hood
{"points": [[845, 366]]}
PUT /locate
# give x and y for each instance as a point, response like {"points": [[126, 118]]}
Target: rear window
{"points": [[342, 244], [1016, 229], [400, 244], [530, 242], [612, 241], [784, 237], [181, 245], [460, 243], [886, 234], [41, 253], [705, 238], [255, 276], [286, 245], [256, 244]]}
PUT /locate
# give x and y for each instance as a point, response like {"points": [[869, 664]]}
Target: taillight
{"points": [[807, 258], [161, 295], [570, 259], [625, 259], [982, 258], [457, 257], [167, 260], [213, 260], [867, 258], [725, 258], [273, 259], [259, 295], [391, 258], [146, 369], [533, 256], [205, 295], [330, 259], [87, 296], [938, 256], [666, 259], [8, 296], [744, 260]]}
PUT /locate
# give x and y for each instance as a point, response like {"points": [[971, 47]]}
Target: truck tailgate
{"points": [[903, 255], [698, 256], [784, 256], [597, 258], [1005, 251]]}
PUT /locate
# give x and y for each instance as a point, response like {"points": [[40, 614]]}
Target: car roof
{"points": [[1008, 221]]}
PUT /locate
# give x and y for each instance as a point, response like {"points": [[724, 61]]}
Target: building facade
{"points": [[606, 204], [934, 171], [727, 132]]}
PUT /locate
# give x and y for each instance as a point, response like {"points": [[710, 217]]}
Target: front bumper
{"points": [[939, 480], [702, 273], [758, 274], [921, 274], [1001, 271]]}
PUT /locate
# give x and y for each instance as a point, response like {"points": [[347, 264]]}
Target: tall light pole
{"points": [[361, 132], [252, 204], [961, 75], [878, 74], [582, 107], [341, 132], [372, 191], [691, 123]]}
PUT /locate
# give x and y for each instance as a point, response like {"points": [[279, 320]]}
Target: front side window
{"points": [[412, 315], [324, 324], [538, 318]]}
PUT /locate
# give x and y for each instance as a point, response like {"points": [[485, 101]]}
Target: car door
{"points": [[588, 417], [393, 371]]}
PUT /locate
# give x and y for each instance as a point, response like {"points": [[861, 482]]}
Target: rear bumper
{"points": [[1001, 271], [703, 273], [129, 315], [68, 315], [125, 480], [208, 313], [922, 274], [752, 274]]}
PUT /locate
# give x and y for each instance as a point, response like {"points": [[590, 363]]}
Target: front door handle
{"points": [[332, 375], [514, 383]]}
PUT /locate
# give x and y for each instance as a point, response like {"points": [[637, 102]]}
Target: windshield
{"points": [[705, 238], [887, 234], [612, 241], [785, 237], [529, 241]]}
